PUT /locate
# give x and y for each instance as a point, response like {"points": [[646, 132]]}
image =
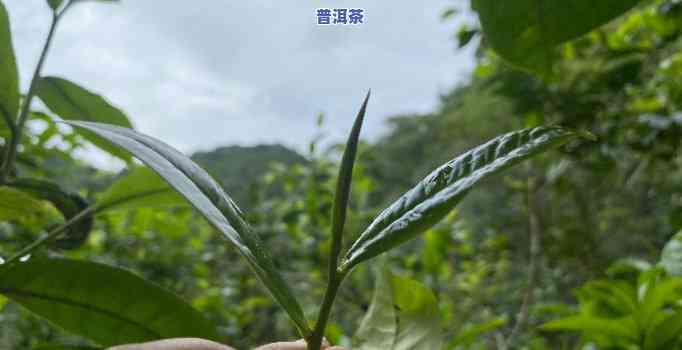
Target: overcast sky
{"points": [[201, 74]]}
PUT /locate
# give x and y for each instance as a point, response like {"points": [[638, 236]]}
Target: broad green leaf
{"points": [[437, 194], [418, 316], [107, 305], [343, 184], [68, 204], [210, 199], [9, 77], [73, 102], [624, 328], [378, 328], [403, 315], [139, 187], [525, 32], [25, 209], [671, 256]]}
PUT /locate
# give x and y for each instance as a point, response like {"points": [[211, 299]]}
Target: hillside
{"points": [[237, 167]]}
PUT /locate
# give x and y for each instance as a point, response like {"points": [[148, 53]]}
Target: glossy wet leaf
{"points": [[437, 194], [211, 201], [403, 315], [72, 102], [69, 205], [344, 181], [9, 77], [107, 305], [525, 32], [139, 187]]}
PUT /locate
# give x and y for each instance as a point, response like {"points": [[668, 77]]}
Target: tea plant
{"points": [[638, 307], [110, 306]]}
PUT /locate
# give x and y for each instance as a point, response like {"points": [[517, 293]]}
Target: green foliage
{"points": [[73, 102], [436, 195], [560, 226], [210, 200], [19, 206], [110, 306], [403, 315], [237, 168], [9, 84], [628, 313], [525, 32], [68, 204], [343, 187], [139, 187]]}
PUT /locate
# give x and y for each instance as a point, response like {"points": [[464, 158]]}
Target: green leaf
{"points": [[68, 204], [657, 294], [210, 199], [437, 194], [525, 32], [378, 328], [403, 315], [343, 184], [9, 81], [25, 209], [624, 328], [465, 34], [663, 333], [139, 187], [671, 256], [107, 305], [72, 102], [54, 4], [470, 333]]}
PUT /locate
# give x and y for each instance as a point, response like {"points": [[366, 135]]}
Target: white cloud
{"points": [[208, 73]]}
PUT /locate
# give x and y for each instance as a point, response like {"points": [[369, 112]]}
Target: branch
{"points": [[52, 235], [535, 237]]}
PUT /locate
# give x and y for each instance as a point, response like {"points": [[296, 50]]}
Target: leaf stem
{"points": [[15, 136], [49, 237], [315, 339]]}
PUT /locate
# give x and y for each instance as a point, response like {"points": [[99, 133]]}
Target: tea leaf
{"points": [[208, 198], [68, 204], [525, 32], [107, 305], [403, 315], [343, 185], [72, 102], [431, 199], [9, 84], [139, 187]]}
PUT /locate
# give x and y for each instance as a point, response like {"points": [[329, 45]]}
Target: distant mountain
{"points": [[237, 167]]}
